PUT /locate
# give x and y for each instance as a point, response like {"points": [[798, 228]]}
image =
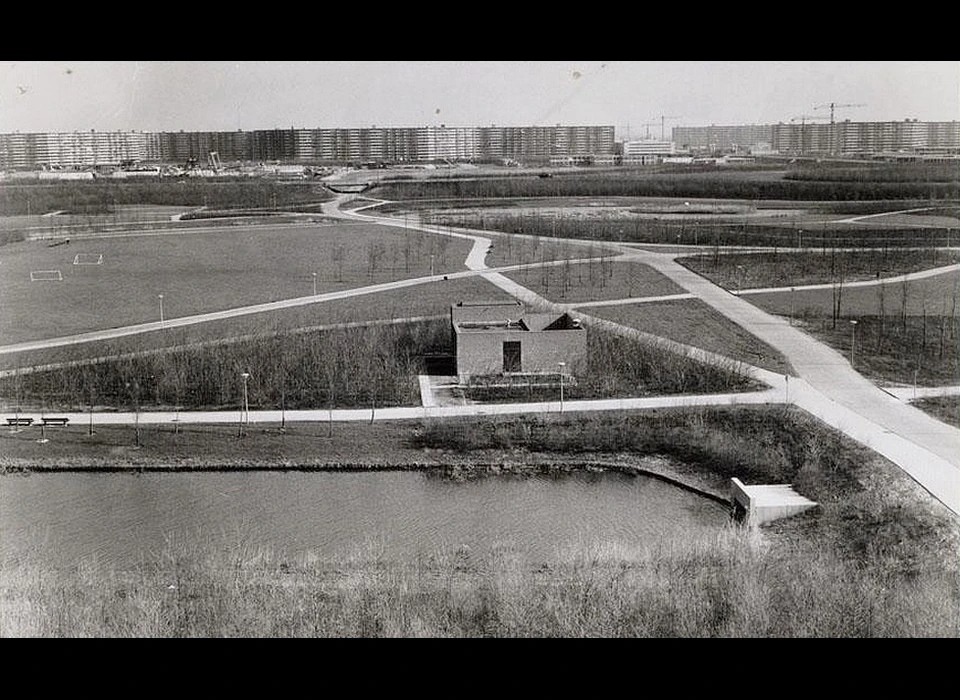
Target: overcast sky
{"points": [[227, 95]]}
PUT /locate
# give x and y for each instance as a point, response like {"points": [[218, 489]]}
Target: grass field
{"points": [[786, 268], [433, 298], [925, 351], [692, 322], [201, 272], [935, 295], [596, 280]]}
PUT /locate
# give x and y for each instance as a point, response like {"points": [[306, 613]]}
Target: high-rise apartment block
{"points": [[839, 138], [358, 145], [853, 138]]}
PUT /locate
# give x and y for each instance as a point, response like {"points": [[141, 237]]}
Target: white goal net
{"points": [[88, 259], [45, 276]]}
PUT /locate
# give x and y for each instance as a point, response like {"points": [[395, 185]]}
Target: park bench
{"points": [[55, 421], [19, 421]]}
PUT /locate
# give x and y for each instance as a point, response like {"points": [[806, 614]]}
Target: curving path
{"points": [[826, 386]]}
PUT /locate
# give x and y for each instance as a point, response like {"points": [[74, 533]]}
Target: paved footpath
{"points": [[926, 448], [826, 385]]}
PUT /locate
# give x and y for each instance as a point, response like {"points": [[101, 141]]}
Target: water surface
{"points": [[119, 519]]}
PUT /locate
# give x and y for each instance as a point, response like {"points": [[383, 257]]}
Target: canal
{"points": [[120, 519]]}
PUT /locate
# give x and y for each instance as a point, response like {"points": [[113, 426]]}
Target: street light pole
{"points": [[853, 339], [561, 365], [135, 395], [314, 284], [160, 297], [246, 404], [739, 279]]}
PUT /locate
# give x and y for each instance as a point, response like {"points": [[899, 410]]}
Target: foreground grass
{"points": [[877, 558], [732, 586]]}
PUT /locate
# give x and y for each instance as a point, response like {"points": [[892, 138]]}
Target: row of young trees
{"points": [[898, 345], [881, 172], [814, 265], [100, 197], [350, 367], [635, 229], [719, 185]]}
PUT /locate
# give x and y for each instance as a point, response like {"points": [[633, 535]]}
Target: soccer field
{"points": [[199, 272]]}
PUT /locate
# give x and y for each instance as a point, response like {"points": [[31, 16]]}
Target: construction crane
{"points": [[833, 126], [833, 106], [647, 125]]}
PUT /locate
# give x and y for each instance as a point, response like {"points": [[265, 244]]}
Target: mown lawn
{"points": [[200, 272]]}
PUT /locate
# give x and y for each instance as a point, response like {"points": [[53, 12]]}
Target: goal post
{"points": [[45, 276], [88, 259]]}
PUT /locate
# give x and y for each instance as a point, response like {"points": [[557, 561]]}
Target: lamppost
{"points": [[90, 429], [793, 291], [314, 284], [739, 278], [160, 297], [853, 339], [561, 365], [245, 413], [431, 265], [799, 238], [135, 395]]}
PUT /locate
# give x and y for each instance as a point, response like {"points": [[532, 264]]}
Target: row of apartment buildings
{"points": [[80, 149], [386, 144], [839, 138]]}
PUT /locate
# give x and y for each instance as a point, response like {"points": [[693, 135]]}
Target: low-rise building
{"points": [[502, 338]]}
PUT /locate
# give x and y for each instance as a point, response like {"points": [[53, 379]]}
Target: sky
{"points": [[637, 97]]}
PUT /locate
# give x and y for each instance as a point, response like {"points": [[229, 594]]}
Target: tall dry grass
{"points": [[730, 585]]}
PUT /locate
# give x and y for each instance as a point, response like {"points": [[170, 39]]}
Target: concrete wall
{"points": [[481, 352], [755, 505]]}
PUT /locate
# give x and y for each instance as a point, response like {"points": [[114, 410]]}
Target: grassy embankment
{"points": [[875, 559], [322, 370]]}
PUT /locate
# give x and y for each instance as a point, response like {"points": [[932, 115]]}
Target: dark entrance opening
{"points": [[440, 365], [511, 356]]}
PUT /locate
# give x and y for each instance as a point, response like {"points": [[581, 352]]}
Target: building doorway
{"points": [[511, 356]]}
